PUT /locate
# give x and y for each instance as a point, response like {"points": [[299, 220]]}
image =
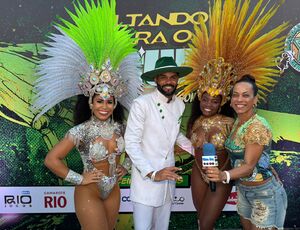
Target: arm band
{"points": [[227, 178], [74, 177]]}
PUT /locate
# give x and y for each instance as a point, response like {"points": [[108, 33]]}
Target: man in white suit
{"points": [[153, 128]]}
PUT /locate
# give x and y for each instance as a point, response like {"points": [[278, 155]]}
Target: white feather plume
{"points": [[65, 65], [59, 73], [130, 69]]}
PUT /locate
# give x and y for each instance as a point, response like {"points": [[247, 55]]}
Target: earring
{"points": [[112, 118], [91, 108], [254, 108]]}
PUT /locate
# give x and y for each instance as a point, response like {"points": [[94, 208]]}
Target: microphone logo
{"points": [[210, 161], [209, 157]]}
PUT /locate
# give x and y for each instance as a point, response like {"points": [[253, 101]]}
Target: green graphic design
{"points": [[24, 143], [292, 47]]}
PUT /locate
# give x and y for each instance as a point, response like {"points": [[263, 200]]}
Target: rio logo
{"points": [[17, 200], [55, 201], [232, 199]]}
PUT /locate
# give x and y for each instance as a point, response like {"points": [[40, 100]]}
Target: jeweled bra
{"points": [[85, 137]]}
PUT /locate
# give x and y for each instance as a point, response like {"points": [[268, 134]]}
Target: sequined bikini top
{"points": [[98, 151], [213, 130], [89, 137]]}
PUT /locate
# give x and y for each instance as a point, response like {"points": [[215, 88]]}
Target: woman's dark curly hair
{"points": [[249, 79]]}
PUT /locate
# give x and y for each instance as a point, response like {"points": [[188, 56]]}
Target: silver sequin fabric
{"points": [[87, 138]]}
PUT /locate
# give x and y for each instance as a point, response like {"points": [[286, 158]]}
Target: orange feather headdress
{"points": [[232, 44]]}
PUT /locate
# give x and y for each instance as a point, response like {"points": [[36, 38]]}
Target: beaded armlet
{"points": [[74, 177]]}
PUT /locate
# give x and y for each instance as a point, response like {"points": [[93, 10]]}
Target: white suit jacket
{"points": [[152, 129]]}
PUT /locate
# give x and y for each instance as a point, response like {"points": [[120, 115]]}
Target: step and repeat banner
{"points": [[31, 197], [59, 199]]}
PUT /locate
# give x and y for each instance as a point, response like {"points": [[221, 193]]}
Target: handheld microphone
{"points": [[209, 159]]}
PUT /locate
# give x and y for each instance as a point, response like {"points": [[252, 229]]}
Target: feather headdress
{"points": [[232, 44], [91, 54]]}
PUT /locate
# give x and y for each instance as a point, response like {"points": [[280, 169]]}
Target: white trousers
{"points": [[151, 218]]}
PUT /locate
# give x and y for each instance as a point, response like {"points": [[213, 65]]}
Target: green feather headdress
{"points": [[96, 31], [92, 54]]}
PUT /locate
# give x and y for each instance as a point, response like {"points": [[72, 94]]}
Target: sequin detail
{"points": [[254, 131], [127, 163], [89, 137], [98, 151], [74, 177], [213, 130], [106, 185]]}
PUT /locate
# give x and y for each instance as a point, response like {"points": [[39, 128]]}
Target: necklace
{"points": [[105, 129]]}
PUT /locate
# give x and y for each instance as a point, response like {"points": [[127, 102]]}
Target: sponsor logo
{"points": [[55, 199], [125, 199], [184, 183], [292, 50], [209, 161], [125, 182], [232, 199], [54, 193], [15, 201], [178, 200]]}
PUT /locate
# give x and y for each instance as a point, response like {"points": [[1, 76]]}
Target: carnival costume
{"points": [[213, 130], [92, 55], [229, 47]]}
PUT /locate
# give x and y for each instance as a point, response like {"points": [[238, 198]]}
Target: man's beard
{"points": [[167, 94]]}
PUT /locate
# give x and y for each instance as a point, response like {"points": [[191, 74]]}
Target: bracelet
{"points": [[153, 175], [127, 163], [227, 178], [74, 177]]}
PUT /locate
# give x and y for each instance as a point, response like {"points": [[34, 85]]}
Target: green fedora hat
{"points": [[163, 65]]}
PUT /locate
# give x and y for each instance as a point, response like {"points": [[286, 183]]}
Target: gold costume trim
{"points": [[213, 130], [233, 42], [252, 132], [258, 133]]}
